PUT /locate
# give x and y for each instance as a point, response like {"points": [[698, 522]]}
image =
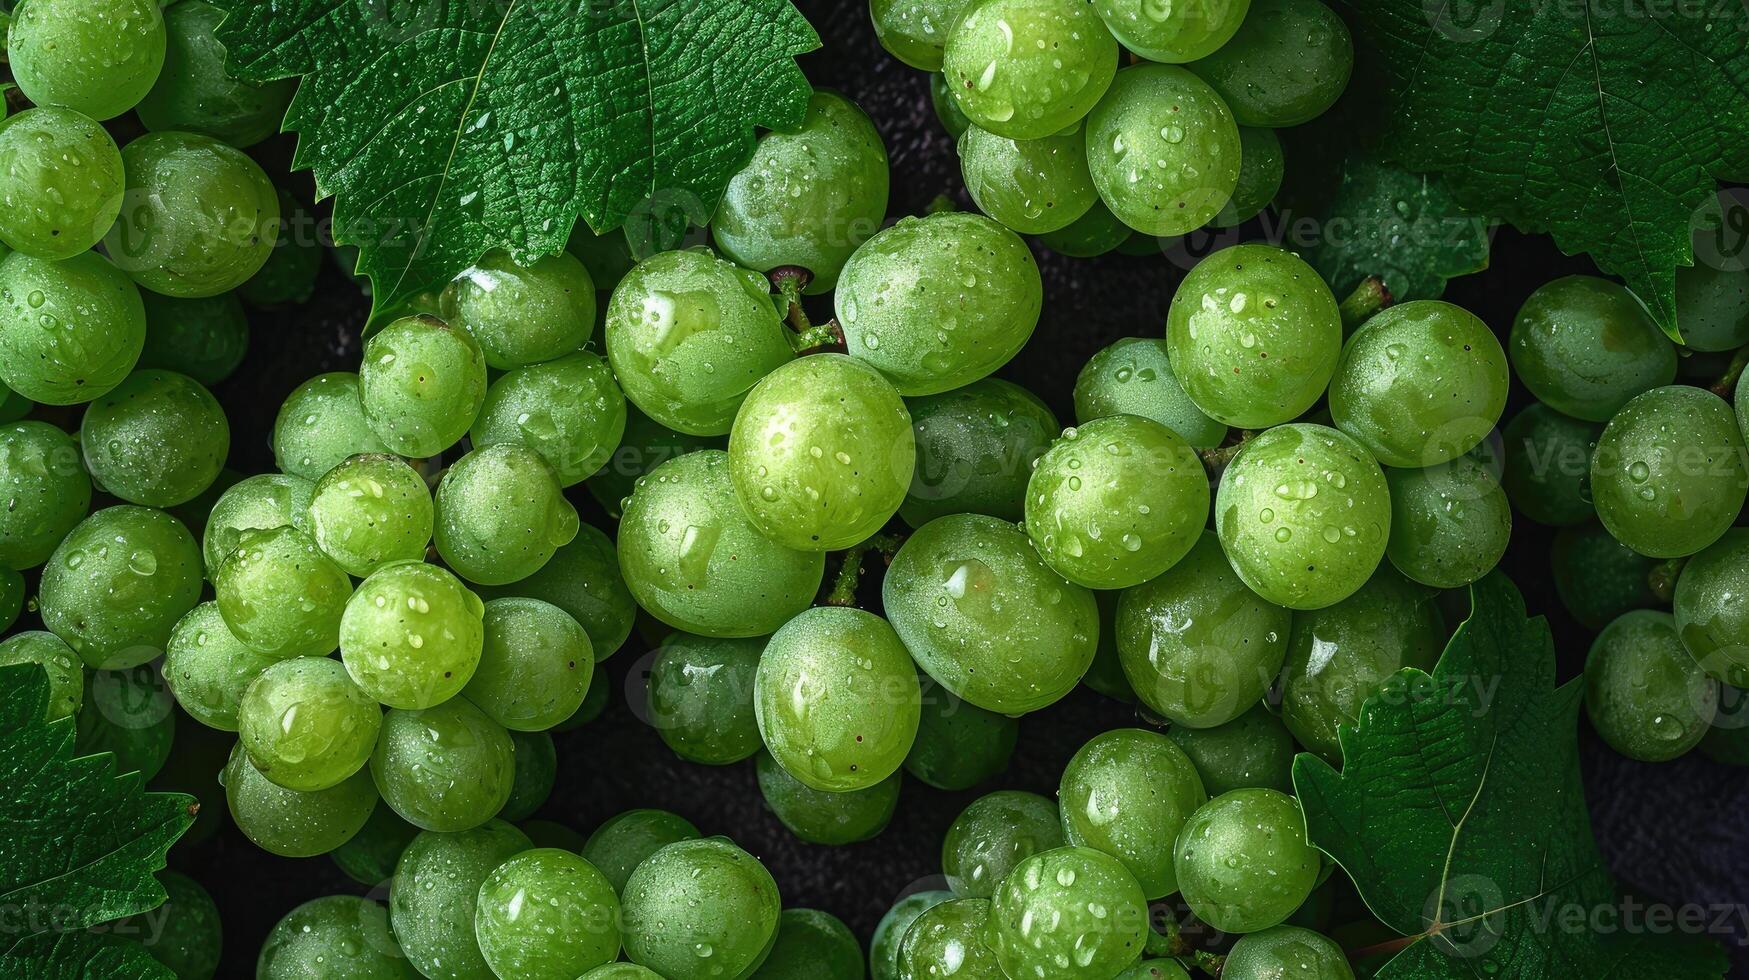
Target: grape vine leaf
{"points": [[88, 955], [79, 844], [1460, 816], [448, 128], [1605, 124]]}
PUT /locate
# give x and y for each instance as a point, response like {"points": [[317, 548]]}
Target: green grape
{"points": [[627, 840], [447, 768], [523, 314], [1252, 750], [1420, 384], [537, 764], [700, 908], [1450, 524], [158, 439], [369, 511], [501, 515], [607, 257], [97, 56], [645, 446], [809, 197], [986, 618], [546, 914], [1197, 645], [1286, 953], [1033, 186], [1117, 502], [1261, 168], [66, 674], [1712, 306], [1254, 336], [305, 725], [259, 503], [701, 698], [1171, 33], [200, 217], [883, 949], [1089, 236], [1163, 150], [202, 338], [993, 835], [822, 453], [812, 945], [369, 858], [1157, 969], [1134, 377], [184, 934], [830, 818], [12, 589], [948, 940], [289, 275], [129, 713], [1669, 475], [335, 938], [975, 450], [254, 584], [289, 823], [435, 894], [583, 579], [622, 971], [959, 745], [70, 330], [412, 635], [1025, 69], [320, 425], [1710, 615], [46, 490], [837, 698], [1304, 515], [421, 385], [1127, 793], [1288, 63], [1106, 675], [689, 334], [1548, 466], [1648, 698], [569, 410], [693, 560], [1073, 913], [1243, 862], [1584, 346], [937, 302], [62, 184], [946, 109], [208, 668], [195, 93], [118, 583], [13, 406], [193, 513], [915, 31], [1342, 655], [1597, 577], [535, 665]]}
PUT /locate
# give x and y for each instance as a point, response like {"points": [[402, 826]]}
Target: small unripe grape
{"points": [[337, 936], [203, 338], [1134, 377], [1243, 861], [1287, 951], [60, 182], [1025, 69], [1073, 913], [1585, 346], [701, 697], [1645, 694], [1450, 524], [915, 31], [501, 515], [46, 490], [281, 595], [289, 823], [624, 841], [435, 892], [1670, 474], [1163, 150], [1032, 186], [1127, 793], [701, 899], [306, 725], [583, 579], [369, 511], [117, 584], [975, 450], [196, 94], [448, 768], [570, 411], [523, 314], [1170, 33], [883, 950], [208, 669], [70, 330], [535, 665], [1287, 64], [66, 674], [321, 424], [959, 745], [547, 914], [821, 817], [411, 635], [159, 439], [422, 383], [99, 57], [262, 503], [993, 835], [949, 938]]}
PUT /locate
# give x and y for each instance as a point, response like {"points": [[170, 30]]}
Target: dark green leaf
{"points": [[83, 956]]}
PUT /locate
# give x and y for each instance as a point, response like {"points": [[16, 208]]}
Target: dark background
{"points": [[1674, 832]]}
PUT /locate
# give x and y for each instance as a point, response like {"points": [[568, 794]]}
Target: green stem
{"points": [[850, 573], [941, 203], [789, 281], [816, 336], [1368, 298], [1726, 386], [1208, 962], [1662, 578], [1167, 942], [1217, 459]]}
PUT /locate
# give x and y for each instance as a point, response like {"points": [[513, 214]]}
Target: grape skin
{"points": [[1253, 750], [537, 769], [569, 410], [305, 725], [697, 896], [447, 768], [1669, 473], [1287, 64], [883, 950], [1644, 693], [1243, 861], [289, 823], [1134, 376], [207, 668], [1597, 577], [421, 384], [959, 745], [701, 698], [1089, 236], [522, 314], [158, 439], [1585, 346], [830, 818], [261, 502], [99, 57], [63, 182], [96, 598], [321, 424], [1450, 524], [66, 674], [949, 937], [70, 330], [253, 584], [993, 835], [1127, 793], [369, 511], [1025, 69], [813, 945], [501, 515], [583, 579], [915, 32], [202, 338], [1032, 186], [412, 635], [1163, 150], [535, 665], [645, 445], [1072, 905], [1179, 35], [1548, 466], [1281, 949], [546, 914], [1261, 169], [46, 489]]}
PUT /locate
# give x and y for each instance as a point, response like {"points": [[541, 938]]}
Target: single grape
{"points": [[830, 818], [1261, 168], [369, 511], [546, 914], [117, 584], [1073, 913], [1253, 750], [1171, 33], [1025, 69], [1341, 655], [993, 835], [569, 410], [208, 669], [435, 893], [200, 217], [202, 338], [1710, 615], [822, 453], [1597, 577], [1089, 236], [1450, 524], [701, 698], [501, 515], [421, 385], [1712, 305], [986, 618], [258, 503], [1117, 502], [1286, 951], [1669, 473], [66, 674], [975, 450], [289, 275], [583, 579], [99, 57], [808, 198], [1163, 150], [915, 32], [255, 584], [195, 93], [694, 561], [305, 725], [1126, 793], [948, 939], [46, 490], [369, 858], [700, 908], [320, 425], [959, 745], [69, 330], [1548, 466], [689, 335], [62, 183], [335, 938], [946, 109], [812, 945], [535, 665], [883, 949], [937, 302], [1584, 346], [1197, 645], [1644, 693], [158, 439], [130, 714], [1134, 377], [289, 823], [627, 840], [537, 765], [1033, 186], [184, 934], [523, 314], [1243, 862], [1288, 63], [412, 635], [1304, 515], [447, 768], [646, 445]]}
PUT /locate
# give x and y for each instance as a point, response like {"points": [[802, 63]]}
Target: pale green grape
{"points": [[369, 857], [320, 425], [986, 617], [99, 57], [701, 698], [1710, 615], [535, 665], [1254, 336], [258, 503], [289, 823], [1548, 466], [1253, 750], [583, 579], [335, 938], [523, 314], [830, 818], [993, 835], [1288, 63], [1644, 693], [421, 385], [812, 945], [66, 674], [127, 713], [447, 768], [915, 31], [501, 515], [948, 939], [1243, 861], [883, 949], [1669, 473], [1304, 515], [305, 725], [1173, 32], [1286, 953], [46, 490], [281, 595], [202, 338], [568, 410], [628, 839], [537, 769], [159, 439], [646, 445], [208, 669], [1127, 793], [546, 914], [937, 302], [194, 92], [1261, 169], [700, 908], [62, 183], [1197, 645], [1089, 236], [1025, 69], [1163, 150], [1597, 577], [369, 511], [117, 584], [1033, 186], [1073, 913], [1450, 524], [975, 450], [959, 745], [289, 275], [1584, 346], [1134, 377], [412, 635], [1712, 305], [435, 893], [69, 331], [946, 109]]}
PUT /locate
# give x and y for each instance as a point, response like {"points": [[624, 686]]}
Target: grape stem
{"points": [[1217, 460], [1208, 962], [1368, 298], [850, 573], [1662, 578], [790, 280], [1726, 386]]}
